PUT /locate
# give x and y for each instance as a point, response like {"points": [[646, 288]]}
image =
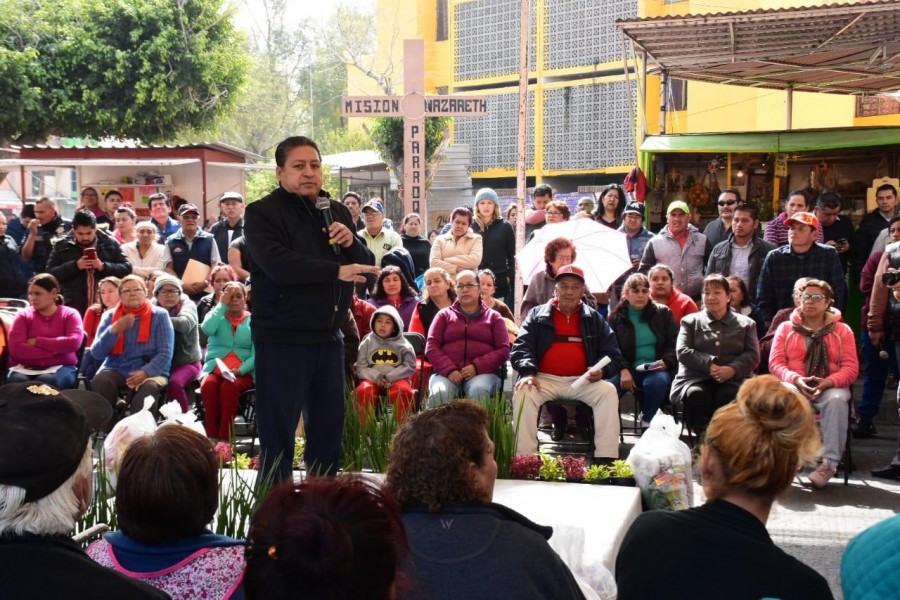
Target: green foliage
{"points": [[258, 184], [502, 432], [237, 501], [367, 443], [145, 69], [344, 140], [353, 450], [388, 135], [620, 468], [595, 472], [551, 469], [101, 509]]}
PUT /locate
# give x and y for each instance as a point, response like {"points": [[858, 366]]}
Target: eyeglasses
{"points": [[168, 292], [554, 212], [813, 297], [132, 291], [727, 202], [466, 286]]}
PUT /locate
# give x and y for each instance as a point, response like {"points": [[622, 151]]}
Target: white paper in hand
{"points": [[223, 368], [584, 378]]}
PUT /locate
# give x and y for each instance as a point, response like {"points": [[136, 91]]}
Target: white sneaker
{"points": [[822, 474]]}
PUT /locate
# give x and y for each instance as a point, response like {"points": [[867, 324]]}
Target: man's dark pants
{"points": [[295, 379]]}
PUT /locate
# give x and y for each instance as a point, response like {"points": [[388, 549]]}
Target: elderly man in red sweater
{"points": [[558, 343]]}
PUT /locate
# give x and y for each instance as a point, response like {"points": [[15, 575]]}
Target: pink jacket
{"points": [[57, 339], [789, 352], [455, 341]]}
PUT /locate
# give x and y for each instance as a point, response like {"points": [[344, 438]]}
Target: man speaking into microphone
{"points": [[306, 258]]}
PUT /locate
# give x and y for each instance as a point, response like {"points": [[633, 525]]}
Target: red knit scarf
{"points": [[144, 314]]}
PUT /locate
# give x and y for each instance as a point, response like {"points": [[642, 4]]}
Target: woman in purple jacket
{"points": [[467, 344], [45, 337]]}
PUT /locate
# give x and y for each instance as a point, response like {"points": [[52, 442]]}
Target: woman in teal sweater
{"points": [[230, 358]]}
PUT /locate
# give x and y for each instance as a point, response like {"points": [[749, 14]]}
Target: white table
{"points": [[603, 512]]}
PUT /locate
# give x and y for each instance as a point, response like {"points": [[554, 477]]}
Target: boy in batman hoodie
{"points": [[386, 362]]}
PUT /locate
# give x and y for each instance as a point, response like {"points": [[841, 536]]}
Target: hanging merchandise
{"points": [[636, 185]]}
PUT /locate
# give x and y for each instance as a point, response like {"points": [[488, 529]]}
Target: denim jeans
{"points": [[876, 374], [656, 389], [64, 378]]}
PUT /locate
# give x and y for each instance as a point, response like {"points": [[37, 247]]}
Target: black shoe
{"points": [[602, 460], [864, 429], [557, 433], [889, 472]]}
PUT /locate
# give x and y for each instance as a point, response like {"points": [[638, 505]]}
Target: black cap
{"points": [[44, 433]]}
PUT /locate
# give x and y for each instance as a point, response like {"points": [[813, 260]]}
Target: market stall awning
{"points": [[96, 162], [839, 48], [774, 141]]}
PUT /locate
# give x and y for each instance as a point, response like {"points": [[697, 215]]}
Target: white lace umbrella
{"points": [[601, 252]]}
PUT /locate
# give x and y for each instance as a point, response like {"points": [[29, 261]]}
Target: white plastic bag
{"points": [[662, 465], [123, 433], [172, 415]]}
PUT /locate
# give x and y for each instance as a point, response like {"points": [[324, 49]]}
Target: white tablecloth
{"points": [[602, 512]]}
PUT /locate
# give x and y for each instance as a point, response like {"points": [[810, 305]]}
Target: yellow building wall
{"points": [[710, 107], [398, 20]]}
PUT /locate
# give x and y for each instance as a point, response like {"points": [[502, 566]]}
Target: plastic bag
{"points": [[662, 465], [123, 433], [172, 415], [592, 576]]}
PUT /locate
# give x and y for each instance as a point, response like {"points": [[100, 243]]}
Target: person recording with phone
{"points": [[884, 322], [305, 262], [879, 357], [83, 257]]}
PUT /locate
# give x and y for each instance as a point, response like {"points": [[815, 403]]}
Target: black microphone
{"points": [[324, 206]]}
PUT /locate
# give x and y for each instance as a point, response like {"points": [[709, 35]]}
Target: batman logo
{"points": [[385, 356]]}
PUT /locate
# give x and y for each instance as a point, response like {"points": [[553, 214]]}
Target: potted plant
{"points": [[618, 473]]}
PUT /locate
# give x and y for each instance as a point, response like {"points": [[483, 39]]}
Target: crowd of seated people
{"points": [[126, 351], [141, 336]]}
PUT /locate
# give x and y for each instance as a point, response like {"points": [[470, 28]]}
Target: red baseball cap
{"points": [[803, 218], [571, 271]]}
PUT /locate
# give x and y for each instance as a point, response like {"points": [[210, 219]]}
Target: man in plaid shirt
{"points": [[801, 257]]}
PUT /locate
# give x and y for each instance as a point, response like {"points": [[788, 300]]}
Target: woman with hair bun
{"points": [[338, 538], [753, 449], [45, 335]]}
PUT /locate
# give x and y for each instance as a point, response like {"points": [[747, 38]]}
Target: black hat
{"points": [[188, 208], [44, 433]]}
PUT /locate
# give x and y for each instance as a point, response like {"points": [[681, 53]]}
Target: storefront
{"points": [[201, 173], [765, 166]]}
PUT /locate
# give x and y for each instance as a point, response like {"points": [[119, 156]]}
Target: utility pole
{"points": [[521, 163]]}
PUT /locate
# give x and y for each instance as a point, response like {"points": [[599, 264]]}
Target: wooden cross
{"points": [[413, 106]]}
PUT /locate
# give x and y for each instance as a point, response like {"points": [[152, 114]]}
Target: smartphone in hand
{"points": [[90, 253]]}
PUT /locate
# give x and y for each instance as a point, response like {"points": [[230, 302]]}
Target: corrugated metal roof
{"points": [[129, 144], [838, 48]]}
